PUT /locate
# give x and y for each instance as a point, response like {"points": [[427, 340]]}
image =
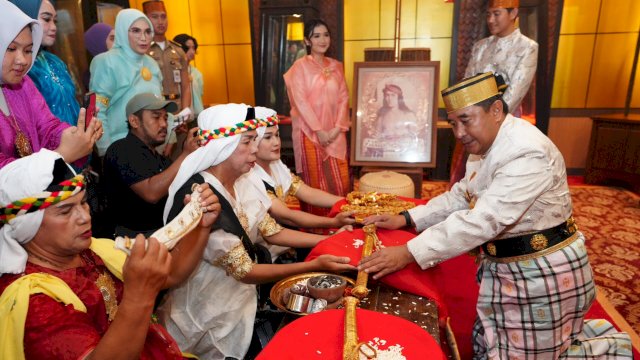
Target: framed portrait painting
{"points": [[395, 112]]}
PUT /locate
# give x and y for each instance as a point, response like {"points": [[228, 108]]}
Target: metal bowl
{"points": [[277, 291], [333, 290]]}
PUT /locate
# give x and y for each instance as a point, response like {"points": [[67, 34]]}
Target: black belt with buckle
{"points": [[172, 96], [530, 243]]}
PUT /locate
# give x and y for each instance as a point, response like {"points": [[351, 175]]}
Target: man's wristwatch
{"points": [[407, 217]]}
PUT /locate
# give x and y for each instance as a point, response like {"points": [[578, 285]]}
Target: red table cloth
{"points": [[321, 336], [411, 279]]}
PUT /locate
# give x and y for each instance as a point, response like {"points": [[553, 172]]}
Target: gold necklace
{"points": [[107, 288], [104, 282], [22, 145]]}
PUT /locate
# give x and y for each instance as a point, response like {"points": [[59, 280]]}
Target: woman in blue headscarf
{"points": [[49, 73], [122, 72]]}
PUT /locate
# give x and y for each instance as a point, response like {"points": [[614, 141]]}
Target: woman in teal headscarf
{"points": [[49, 73], [122, 72]]}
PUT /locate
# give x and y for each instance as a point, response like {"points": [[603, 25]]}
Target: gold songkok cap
{"points": [[470, 91], [152, 6], [506, 4]]}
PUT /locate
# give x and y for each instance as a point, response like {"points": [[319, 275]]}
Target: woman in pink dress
{"points": [[319, 113], [26, 123]]}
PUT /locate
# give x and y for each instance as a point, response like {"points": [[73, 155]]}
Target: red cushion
{"points": [[411, 279], [321, 336]]}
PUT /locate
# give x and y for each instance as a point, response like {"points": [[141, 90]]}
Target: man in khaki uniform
{"points": [[170, 57], [176, 83]]}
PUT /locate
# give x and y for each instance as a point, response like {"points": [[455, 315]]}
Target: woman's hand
{"points": [[77, 142], [327, 137], [348, 228], [327, 262], [323, 137], [333, 134], [344, 218]]}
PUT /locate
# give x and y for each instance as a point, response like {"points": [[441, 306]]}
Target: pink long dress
{"points": [[319, 101]]}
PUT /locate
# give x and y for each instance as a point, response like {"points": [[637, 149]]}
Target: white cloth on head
{"points": [[263, 113], [13, 21], [22, 178], [214, 152]]}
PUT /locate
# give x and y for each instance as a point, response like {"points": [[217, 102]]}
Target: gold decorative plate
{"points": [[278, 289]]}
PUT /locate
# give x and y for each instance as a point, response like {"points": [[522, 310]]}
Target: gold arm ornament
{"points": [[370, 242], [352, 349]]}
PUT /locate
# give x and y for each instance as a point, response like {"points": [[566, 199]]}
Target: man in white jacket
{"points": [[514, 204]]}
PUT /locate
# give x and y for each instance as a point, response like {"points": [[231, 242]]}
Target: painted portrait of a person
{"points": [[394, 119]]}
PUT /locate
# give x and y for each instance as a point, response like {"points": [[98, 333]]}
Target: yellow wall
{"points": [[223, 31], [595, 50], [424, 23], [595, 54]]}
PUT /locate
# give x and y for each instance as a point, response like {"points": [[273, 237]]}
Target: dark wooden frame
{"points": [[434, 67]]}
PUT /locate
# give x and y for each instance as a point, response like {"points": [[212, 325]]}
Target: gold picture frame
{"points": [[394, 114]]}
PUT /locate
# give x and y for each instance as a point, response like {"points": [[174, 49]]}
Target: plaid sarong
{"points": [[534, 309]]}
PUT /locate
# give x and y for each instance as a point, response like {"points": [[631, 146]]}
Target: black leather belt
{"points": [[530, 243], [172, 96]]}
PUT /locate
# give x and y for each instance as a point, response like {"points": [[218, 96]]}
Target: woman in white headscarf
{"points": [[212, 314], [26, 123], [62, 293], [122, 72], [280, 182]]}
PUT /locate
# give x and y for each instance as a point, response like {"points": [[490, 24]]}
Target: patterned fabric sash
{"points": [[53, 195], [205, 136]]}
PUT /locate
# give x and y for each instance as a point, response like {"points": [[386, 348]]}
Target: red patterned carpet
{"points": [[610, 220]]}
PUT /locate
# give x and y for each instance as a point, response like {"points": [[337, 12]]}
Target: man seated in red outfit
{"points": [[62, 293]]}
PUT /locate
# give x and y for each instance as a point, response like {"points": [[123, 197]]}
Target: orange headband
{"points": [[506, 4]]}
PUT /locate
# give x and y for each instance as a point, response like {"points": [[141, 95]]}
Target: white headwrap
{"points": [[13, 21], [20, 179], [214, 152], [263, 113]]}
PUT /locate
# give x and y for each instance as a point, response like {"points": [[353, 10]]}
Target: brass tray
{"points": [[278, 289]]}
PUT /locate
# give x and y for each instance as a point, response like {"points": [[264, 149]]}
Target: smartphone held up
{"points": [[90, 108]]}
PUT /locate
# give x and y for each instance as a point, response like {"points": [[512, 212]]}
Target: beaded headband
{"points": [[60, 192], [205, 136]]}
